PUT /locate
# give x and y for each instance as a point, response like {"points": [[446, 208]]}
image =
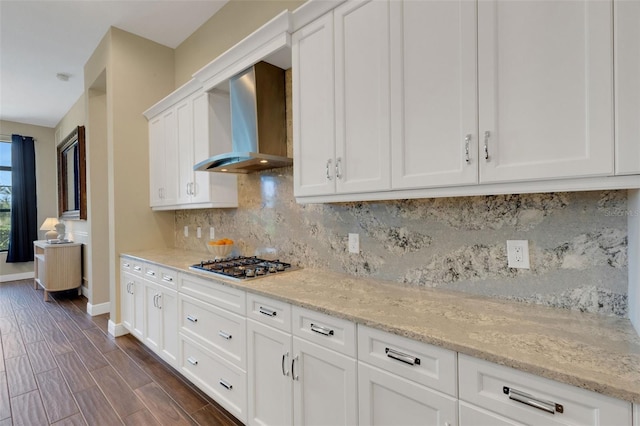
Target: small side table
{"points": [[57, 266]]}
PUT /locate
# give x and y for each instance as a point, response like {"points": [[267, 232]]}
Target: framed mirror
{"points": [[72, 183]]}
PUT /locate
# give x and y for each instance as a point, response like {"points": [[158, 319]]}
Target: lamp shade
{"points": [[50, 225]]}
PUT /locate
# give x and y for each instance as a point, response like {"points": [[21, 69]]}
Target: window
{"points": [[5, 194]]}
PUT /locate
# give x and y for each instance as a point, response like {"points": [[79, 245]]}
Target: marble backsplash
{"points": [[577, 241]]}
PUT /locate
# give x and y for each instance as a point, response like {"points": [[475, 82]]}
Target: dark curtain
{"points": [[24, 226]]}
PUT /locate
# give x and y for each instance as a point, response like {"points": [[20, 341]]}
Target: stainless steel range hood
{"points": [[258, 123]]}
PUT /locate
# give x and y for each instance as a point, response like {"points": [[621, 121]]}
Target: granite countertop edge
{"points": [[482, 342]]}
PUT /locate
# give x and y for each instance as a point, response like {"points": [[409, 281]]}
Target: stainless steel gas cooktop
{"points": [[242, 268]]}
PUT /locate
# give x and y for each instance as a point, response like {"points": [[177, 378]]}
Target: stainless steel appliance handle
{"points": [[322, 330], [532, 401], [267, 312], [191, 360], [192, 318], [401, 356], [224, 335], [225, 384]]}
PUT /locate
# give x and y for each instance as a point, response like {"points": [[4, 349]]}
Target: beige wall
{"points": [[232, 23], [45, 184]]}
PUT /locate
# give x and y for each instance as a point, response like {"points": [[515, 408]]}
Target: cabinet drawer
{"points": [[212, 292], [151, 272], [219, 330], [126, 264], [488, 385], [426, 364], [168, 277], [269, 311], [326, 331], [220, 380], [137, 267]]}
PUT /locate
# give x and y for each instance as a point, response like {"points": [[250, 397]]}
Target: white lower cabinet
{"points": [[324, 386], [470, 415], [161, 321], [132, 303], [221, 380], [291, 379], [531, 400], [387, 399], [269, 379]]}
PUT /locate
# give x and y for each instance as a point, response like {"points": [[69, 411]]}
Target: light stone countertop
{"points": [[590, 351]]}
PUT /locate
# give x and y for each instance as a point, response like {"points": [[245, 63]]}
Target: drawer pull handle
{"points": [[191, 360], [137, 268], [530, 400], [126, 265], [192, 318], [167, 278], [268, 312], [322, 330], [151, 273], [224, 335], [400, 356], [225, 384]]}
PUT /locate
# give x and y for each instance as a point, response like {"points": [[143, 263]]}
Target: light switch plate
{"points": [[199, 232], [212, 233], [186, 231]]}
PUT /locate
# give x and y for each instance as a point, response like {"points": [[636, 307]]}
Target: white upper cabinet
{"points": [[362, 96], [314, 122], [192, 126], [163, 150], [545, 73], [455, 97], [627, 80], [433, 93], [341, 101]]}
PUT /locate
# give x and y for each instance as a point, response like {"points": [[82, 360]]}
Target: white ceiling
{"points": [[39, 39]]}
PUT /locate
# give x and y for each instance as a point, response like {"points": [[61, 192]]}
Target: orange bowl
{"points": [[220, 251]]}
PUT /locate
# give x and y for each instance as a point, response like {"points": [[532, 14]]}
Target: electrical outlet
{"points": [[199, 232], [518, 254], [212, 233], [186, 231], [354, 243]]}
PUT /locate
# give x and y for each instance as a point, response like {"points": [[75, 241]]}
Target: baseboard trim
{"points": [[99, 309], [16, 277], [116, 330]]}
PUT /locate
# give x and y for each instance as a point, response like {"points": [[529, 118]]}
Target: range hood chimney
{"points": [[258, 123]]}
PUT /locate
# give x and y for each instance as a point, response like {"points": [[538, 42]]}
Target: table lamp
{"points": [[50, 226]]}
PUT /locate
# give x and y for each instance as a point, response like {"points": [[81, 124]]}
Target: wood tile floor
{"points": [[58, 366]]}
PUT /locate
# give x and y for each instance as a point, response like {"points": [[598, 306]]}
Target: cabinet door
{"points": [[269, 375], [545, 89], [170, 166], [184, 129], [627, 69], [127, 286], [387, 399], [313, 108], [168, 306], [363, 140], [433, 93], [138, 309], [156, 160], [324, 386], [152, 317]]}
